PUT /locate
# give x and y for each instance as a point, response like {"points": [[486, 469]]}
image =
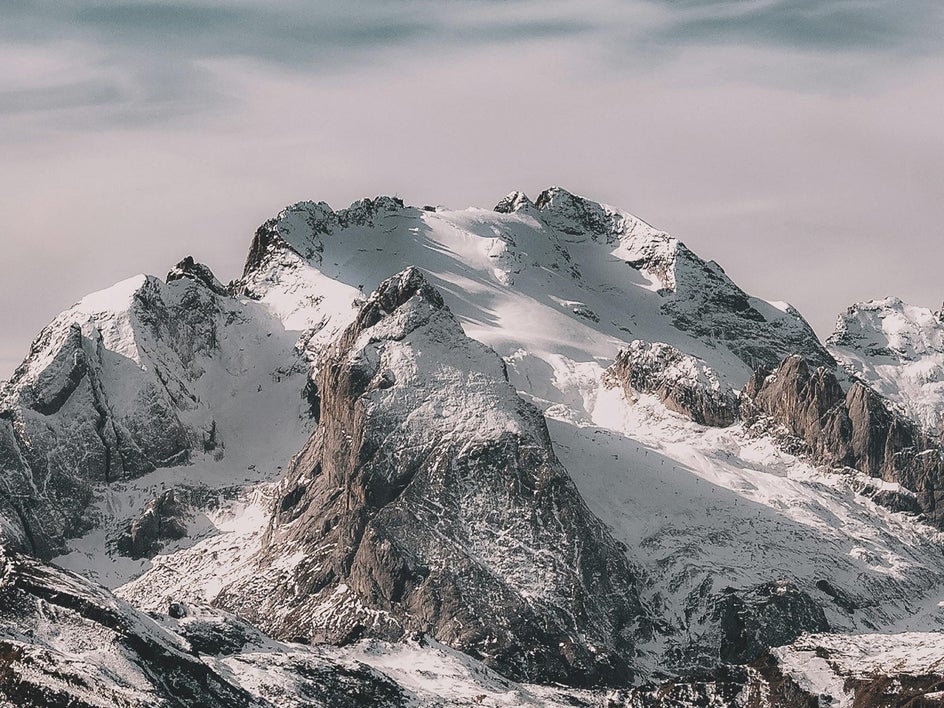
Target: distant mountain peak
{"points": [[513, 202], [188, 268], [898, 349], [889, 327]]}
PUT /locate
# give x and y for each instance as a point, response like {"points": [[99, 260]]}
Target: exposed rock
{"points": [[116, 387], [64, 641], [863, 670], [577, 216], [67, 642], [299, 227], [295, 228], [512, 202], [166, 518], [683, 383], [854, 429], [188, 268], [364, 211], [81, 412], [162, 520], [726, 686], [430, 500]]}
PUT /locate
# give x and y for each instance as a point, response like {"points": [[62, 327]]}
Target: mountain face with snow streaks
{"points": [[430, 500], [434, 457], [127, 381]]}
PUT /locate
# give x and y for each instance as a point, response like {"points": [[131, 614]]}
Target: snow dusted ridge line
{"points": [[641, 531]]}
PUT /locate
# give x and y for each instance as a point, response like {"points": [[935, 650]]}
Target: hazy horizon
{"points": [[796, 143]]}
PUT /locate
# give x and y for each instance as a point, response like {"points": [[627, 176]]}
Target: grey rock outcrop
{"points": [[683, 383], [66, 642], [188, 268], [299, 228], [163, 519], [770, 615], [430, 500], [137, 662], [166, 518]]}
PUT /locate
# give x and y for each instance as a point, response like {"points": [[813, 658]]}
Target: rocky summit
{"points": [[542, 454]]}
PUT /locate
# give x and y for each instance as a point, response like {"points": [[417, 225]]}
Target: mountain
{"points": [[536, 445], [898, 349], [143, 376], [430, 500]]}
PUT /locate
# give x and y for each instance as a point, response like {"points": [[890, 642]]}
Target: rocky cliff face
{"points": [[137, 377], [854, 428], [64, 641], [683, 383], [430, 500], [93, 403]]}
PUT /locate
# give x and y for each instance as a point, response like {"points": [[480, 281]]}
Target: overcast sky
{"points": [[800, 143]]}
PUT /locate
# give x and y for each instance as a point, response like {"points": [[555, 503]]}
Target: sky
{"points": [[799, 143]]}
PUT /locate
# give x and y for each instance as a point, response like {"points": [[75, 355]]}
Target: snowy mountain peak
{"points": [[577, 216], [393, 293], [899, 350], [513, 202], [889, 328], [296, 227], [188, 268]]}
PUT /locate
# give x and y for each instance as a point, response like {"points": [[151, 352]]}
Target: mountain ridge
{"points": [[721, 536]]}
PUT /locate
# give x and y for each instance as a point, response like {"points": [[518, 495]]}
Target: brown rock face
{"points": [[430, 500], [854, 428]]}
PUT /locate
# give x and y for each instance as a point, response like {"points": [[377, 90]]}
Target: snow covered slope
{"points": [[899, 350]]}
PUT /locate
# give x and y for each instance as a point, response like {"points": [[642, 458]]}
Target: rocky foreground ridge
{"points": [[416, 455]]}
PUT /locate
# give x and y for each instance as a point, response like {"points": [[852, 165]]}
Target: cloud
{"points": [[833, 26], [807, 163], [153, 55]]}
